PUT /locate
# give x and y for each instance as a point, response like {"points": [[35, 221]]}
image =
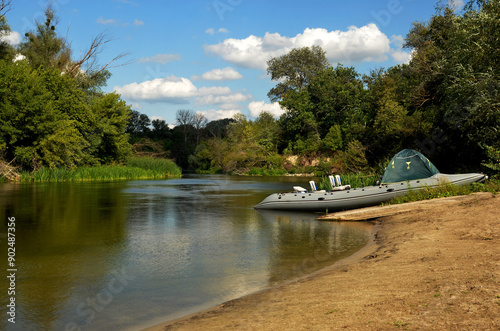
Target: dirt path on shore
{"points": [[436, 267]]}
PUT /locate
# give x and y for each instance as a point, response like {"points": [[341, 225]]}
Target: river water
{"points": [[130, 254]]}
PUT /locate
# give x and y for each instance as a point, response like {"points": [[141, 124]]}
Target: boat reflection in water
{"points": [[314, 244]]}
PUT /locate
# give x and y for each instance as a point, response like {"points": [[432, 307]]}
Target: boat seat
{"points": [[336, 183], [299, 189], [314, 188]]}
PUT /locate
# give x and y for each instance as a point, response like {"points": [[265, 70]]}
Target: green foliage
{"points": [[456, 63], [333, 139], [110, 115], [359, 179], [446, 190], [295, 70], [43, 48], [136, 168], [159, 166], [46, 120], [333, 98], [34, 128], [444, 103], [51, 114], [354, 157], [6, 50], [493, 160]]}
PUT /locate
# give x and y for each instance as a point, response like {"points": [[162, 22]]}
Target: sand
{"points": [[433, 267]]}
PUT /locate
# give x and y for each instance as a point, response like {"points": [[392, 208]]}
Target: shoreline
{"points": [[411, 274], [359, 255]]}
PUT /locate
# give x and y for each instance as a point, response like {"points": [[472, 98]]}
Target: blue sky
{"points": [[210, 55]]}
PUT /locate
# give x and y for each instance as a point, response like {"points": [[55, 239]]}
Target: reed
{"points": [[354, 179], [136, 168], [158, 166]]}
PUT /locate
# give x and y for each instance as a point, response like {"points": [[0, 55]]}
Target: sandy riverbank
{"points": [[434, 267]]}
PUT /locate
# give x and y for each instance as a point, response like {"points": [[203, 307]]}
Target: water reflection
{"points": [[126, 254], [304, 245], [67, 240]]}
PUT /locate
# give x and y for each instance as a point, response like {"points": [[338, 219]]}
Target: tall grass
{"points": [[446, 190], [136, 168], [158, 166], [354, 179]]}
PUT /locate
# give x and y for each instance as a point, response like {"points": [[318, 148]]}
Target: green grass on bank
{"points": [[447, 190], [136, 168]]}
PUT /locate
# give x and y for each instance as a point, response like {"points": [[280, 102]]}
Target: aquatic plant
{"points": [[136, 168]]}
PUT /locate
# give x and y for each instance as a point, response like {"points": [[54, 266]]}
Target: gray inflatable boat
{"points": [[359, 197], [408, 170]]}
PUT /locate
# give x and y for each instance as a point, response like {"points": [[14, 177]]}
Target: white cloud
{"points": [[227, 73], [401, 56], [230, 106], [456, 5], [13, 38], [109, 21], [356, 45], [136, 105], [170, 89], [161, 58], [219, 99], [218, 114], [397, 53], [214, 90], [101, 20], [177, 90], [257, 107], [211, 31]]}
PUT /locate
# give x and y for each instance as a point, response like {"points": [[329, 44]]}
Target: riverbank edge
{"points": [[134, 169], [372, 250], [371, 247]]}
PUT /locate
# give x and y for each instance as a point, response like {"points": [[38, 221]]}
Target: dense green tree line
{"points": [[179, 142], [52, 111], [445, 103]]}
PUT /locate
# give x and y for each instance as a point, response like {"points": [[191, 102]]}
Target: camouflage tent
{"points": [[408, 165]]}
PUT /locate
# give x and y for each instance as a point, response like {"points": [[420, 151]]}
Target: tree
{"points": [[160, 130], [217, 128], [199, 123], [43, 47], [6, 50], [267, 132], [295, 70], [333, 139], [334, 96], [138, 124], [111, 114], [455, 59], [185, 119], [34, 129], [46, 120]]}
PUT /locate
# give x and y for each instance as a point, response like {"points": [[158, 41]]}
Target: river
{"points": [[131, 254]]}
